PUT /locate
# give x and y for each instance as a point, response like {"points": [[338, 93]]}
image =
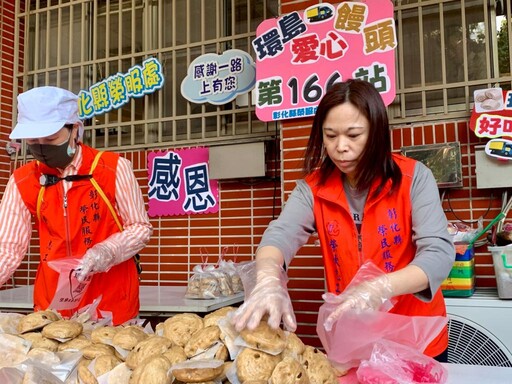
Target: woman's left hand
{"points": [[369, 295]]}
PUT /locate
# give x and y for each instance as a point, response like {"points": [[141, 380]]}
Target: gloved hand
{"points": [[368, 295], [99, 258], [269, 295]]}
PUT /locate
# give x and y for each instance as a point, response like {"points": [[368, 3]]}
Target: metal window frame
{"points": [[449, 110], [224, 124], [148, 122]]}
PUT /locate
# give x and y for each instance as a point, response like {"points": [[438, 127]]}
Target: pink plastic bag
{"points": [[354, 334], [393, 363], [69, 290]]}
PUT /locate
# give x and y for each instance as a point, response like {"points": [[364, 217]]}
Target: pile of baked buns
{"points": [[43, 348]]}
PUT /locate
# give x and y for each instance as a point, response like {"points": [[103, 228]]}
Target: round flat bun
{"points": [[103, 334], [198, 371], [175, 354], [154, 370], [289, 371], [39, 341], [97, 349], [252, 364], [317, 366], [152, 346], [36, 320], [180, 327], [128, 337], [62, 329], [76, 344], [202, 339], [104, 364], [294, 346], [265, 338], [212, 317]]}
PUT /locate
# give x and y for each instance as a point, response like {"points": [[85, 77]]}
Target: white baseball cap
{"points": [[43, 111]]}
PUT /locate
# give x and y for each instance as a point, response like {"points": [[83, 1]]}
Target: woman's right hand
{"points": [[269, 296]]}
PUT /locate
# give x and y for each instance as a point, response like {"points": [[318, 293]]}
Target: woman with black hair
{"points": [[366, 204]]}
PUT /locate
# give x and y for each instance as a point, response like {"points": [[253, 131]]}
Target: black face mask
{"points": [[54, 156]]}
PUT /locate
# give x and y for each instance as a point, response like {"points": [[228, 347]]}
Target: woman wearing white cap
{"points": [[86, 204]]}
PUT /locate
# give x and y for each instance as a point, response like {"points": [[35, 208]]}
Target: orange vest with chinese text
{"points": [[69, 229], [385, 238]]}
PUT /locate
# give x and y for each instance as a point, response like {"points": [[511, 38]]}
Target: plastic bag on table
{"points": [[202, 284], [236, 282], [393, 363], [222, 278], [69, 290], [354, 333], [229, 268]]}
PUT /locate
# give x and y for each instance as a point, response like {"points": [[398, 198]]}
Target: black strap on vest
{"points": [[49, 180]]}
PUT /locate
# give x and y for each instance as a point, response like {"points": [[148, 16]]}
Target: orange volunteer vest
{"points": [[385, 238], [69, 225]]}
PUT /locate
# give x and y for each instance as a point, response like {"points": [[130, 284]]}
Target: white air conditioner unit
{"points": [[478, 329]]}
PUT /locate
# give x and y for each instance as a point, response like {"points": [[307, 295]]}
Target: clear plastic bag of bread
{"points": [[203, 284], [229, 268], [211, 281], [223, 279]]}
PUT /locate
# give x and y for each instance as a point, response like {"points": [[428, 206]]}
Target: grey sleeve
{"points": [[292, 229], [435, 251]]}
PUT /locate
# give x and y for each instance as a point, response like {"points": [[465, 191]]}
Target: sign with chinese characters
{"points": [[116, 90], [218, 79], [179, 183], [301, 54], [492, 113]]}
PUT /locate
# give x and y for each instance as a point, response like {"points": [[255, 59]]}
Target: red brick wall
{"points": [[246, 208], [6, 81], [467, 203]]}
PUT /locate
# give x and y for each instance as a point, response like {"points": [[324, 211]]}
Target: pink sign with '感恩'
{"points": [[179, 184]]}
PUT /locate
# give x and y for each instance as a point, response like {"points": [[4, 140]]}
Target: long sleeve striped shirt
{"points": [[16, 221]]}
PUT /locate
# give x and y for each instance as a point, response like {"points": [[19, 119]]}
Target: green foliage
{"points": [[503, 48]]}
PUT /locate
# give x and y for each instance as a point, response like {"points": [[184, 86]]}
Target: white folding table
{"points": [[155, 301]]}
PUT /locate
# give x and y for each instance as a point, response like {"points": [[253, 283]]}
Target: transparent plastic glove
{"points": [[269, 296], [367, 295], [99, 258]]}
